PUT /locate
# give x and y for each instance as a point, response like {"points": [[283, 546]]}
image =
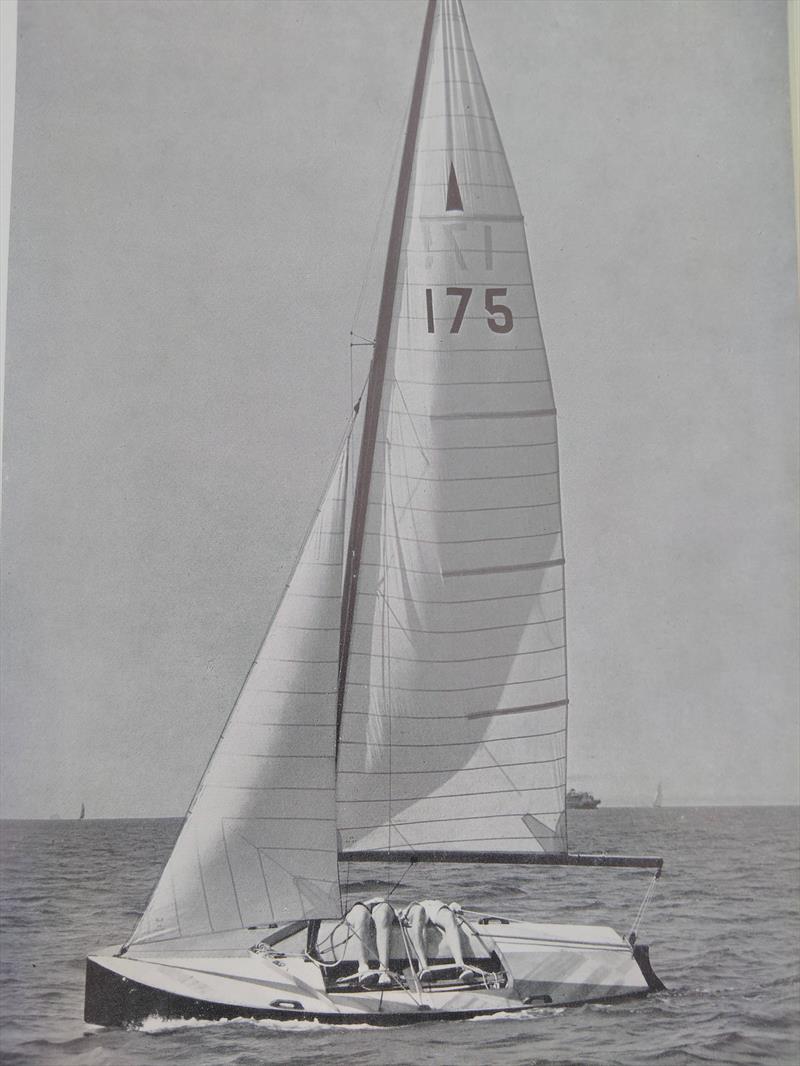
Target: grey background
{"points": [[196, 187]]}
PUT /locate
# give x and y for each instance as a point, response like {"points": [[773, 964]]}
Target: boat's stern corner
{"points": [[641, 955]]}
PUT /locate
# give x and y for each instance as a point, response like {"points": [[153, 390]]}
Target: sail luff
{"points": [[563, 607], [378, 369]]}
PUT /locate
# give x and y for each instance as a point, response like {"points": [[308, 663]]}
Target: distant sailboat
{"points": [[82, 815], [409, 701], [659, 800]]}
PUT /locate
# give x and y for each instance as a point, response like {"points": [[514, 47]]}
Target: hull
{"points": [[525, 966]]}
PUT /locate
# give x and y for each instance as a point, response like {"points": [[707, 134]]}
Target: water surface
{"points": [[724, 929]]}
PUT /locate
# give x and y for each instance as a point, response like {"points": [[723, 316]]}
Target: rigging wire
{"points": [[642, 908], [381, 215], [371, 255], [399, 881]]}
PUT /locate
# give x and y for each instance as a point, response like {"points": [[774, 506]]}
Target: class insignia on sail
{"points": [[409, 701]]}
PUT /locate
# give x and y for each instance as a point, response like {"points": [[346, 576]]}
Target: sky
{"points": [[196, 191]]}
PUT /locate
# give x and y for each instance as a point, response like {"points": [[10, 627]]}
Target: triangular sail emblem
{"points": [[454, 202]]}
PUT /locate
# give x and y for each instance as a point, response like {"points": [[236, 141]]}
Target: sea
{"points": [[723, 926]]}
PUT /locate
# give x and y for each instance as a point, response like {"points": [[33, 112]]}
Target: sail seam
{"points": [[471, 447], [460, 769], [288, 725], [297, 691], [449, 251], [274, 788], [479, 629], [472, 659], [273, 818], [311, 662], [453, 795], [472, 283], [443, 573], [442, 543], [475, 510], [281, 755], [419, 848], [455, 818], [477, 599], [467, 218], [454, 718], [466, 415], [464, 185], [483, 384], [314, 595], [457, 114], [405, 476], [467, 149], [453, 743], [465, 351]]}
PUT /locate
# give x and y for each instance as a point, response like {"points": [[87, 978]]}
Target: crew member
{"points": [[445, 917], [371, 924]]}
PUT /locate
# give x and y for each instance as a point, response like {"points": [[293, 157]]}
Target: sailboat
{"points": [[82, 815], [659, 800], [408, 704]]}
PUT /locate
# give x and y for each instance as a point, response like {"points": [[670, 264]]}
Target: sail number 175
{"points": [[499, 318]]}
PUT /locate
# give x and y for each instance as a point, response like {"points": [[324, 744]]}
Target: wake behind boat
{"points": [[409, 701]]}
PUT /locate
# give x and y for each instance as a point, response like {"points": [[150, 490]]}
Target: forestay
{"points": [[454, 699], [259, 843]]}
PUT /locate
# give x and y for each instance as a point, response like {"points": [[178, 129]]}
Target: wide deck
{"points": [[527, 965]]}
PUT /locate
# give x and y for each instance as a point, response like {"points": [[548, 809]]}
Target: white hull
{"points": [[528, 965]]}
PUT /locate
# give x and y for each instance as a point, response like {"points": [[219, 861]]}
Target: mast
{"points": [[378, 369]]}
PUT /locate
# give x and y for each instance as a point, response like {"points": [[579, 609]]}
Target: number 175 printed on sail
{"points": [[502, 324]]}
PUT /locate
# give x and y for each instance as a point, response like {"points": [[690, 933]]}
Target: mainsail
{"points": [[259, 842], [453, 701], [416, 698]]}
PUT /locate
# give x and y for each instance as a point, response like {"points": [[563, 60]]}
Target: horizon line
{"points": [[605, 806]]}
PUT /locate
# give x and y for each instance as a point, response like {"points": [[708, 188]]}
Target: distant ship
{"points": [[581, 801], [659, 800]]}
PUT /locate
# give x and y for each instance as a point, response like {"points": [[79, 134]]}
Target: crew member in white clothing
{"points": [[371, 924], [444, 916]]}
